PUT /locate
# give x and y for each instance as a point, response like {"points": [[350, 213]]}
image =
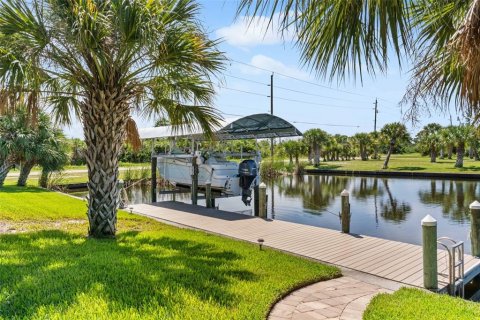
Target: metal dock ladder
{"points": [[455, 268]]}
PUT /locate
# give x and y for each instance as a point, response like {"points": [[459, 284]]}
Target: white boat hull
{"points": [[223, 175]]}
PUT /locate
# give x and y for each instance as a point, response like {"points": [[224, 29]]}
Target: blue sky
{"points": [[346, 108]]}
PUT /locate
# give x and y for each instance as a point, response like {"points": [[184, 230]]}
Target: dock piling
{"points": [[429, 243], [208, 194], [475, 227], [345, 214], [154, 179], [194, 188], [262, 200]]}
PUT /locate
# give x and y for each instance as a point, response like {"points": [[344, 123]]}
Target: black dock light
{"points": [[260, 242], [131, 210]]}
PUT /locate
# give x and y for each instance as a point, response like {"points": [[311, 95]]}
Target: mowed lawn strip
{"points": [[412, 162], [150, 271], [415, 304]]}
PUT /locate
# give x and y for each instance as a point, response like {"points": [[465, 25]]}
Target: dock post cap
{"points": [[429, 221], [262, 185], [345, 193], [475, 205]]}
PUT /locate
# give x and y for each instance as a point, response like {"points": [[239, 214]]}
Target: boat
{"points": [[227, 177]]}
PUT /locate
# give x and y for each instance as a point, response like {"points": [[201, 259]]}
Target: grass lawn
{"points": [[413, 162], [414, 304], [50, 270], [66, 177]]}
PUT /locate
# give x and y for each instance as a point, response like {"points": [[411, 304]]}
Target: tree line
{"points": [[432, 140]]}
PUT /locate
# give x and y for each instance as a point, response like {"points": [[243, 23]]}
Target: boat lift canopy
{"points": [[255, 126]]}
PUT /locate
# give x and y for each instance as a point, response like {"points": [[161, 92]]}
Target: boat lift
{"points": [[255, 126]]}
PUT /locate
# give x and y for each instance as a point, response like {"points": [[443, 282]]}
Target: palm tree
{"points": [[101, 60], [42, 147], [447, 140], [14, 136], [461, 134], [54, 157], [429, 139], [316, 138], [289, 147], [346, 38], [363, 141], [393, 133]]}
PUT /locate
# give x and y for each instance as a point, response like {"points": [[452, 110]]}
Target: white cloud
{"points": [[250, 32], [267, 63]]}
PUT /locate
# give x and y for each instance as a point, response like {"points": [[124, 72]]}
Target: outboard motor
{"points": [[247, 170]]}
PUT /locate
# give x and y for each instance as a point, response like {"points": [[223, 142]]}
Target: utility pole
{"points": [[271, 112], [375, 155]]}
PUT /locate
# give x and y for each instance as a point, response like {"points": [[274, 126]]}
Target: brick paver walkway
{"points": [[344, 298]]}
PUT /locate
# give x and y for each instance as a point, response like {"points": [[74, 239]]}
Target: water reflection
{"points": [[392, 209], [453, 197]]}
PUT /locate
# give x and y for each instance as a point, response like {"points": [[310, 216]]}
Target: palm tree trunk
{"points": [[316, 161], [390, 151], [43, 181], [4, 169], [460, 155], [24, 173], [104, 118], [291, 158], [450, 152], [433, 155]]}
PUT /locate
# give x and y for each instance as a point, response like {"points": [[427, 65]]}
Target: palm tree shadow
{"points": [[50, 269]]}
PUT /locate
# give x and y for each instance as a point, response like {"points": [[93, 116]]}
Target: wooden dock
{"points": [[393, 260]]}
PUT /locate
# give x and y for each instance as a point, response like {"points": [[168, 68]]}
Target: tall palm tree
{"points": [[341, 38], [393, 134], [316, 138], [363, 141], [101, 60], [429, 139]]}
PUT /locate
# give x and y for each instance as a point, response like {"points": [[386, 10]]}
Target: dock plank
{"points": [[397, 261]]}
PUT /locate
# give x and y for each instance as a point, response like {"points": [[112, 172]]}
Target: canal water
{"points": [[389, 208]]}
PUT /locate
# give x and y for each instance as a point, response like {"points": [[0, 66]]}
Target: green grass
{"points": [[49, 269], [404, 162], [414, 304], [71, 178]]}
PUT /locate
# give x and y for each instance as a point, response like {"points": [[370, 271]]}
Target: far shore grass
{"points": [[49, 269], [412, 162]]}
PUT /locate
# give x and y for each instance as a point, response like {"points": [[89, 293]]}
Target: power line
{"points": [[293, 100], [305, 81], [315, 95], [245, 79], [327, 124], [297, 91], [318, 104], [244, 91]]}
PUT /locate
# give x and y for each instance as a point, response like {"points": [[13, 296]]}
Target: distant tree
{"points": [[448, 140], [316, 138], [363, 141], [55, 158], [14, 136], [78, 151], [429, 140], [461, 134], [393, 134], [40, 145]]}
